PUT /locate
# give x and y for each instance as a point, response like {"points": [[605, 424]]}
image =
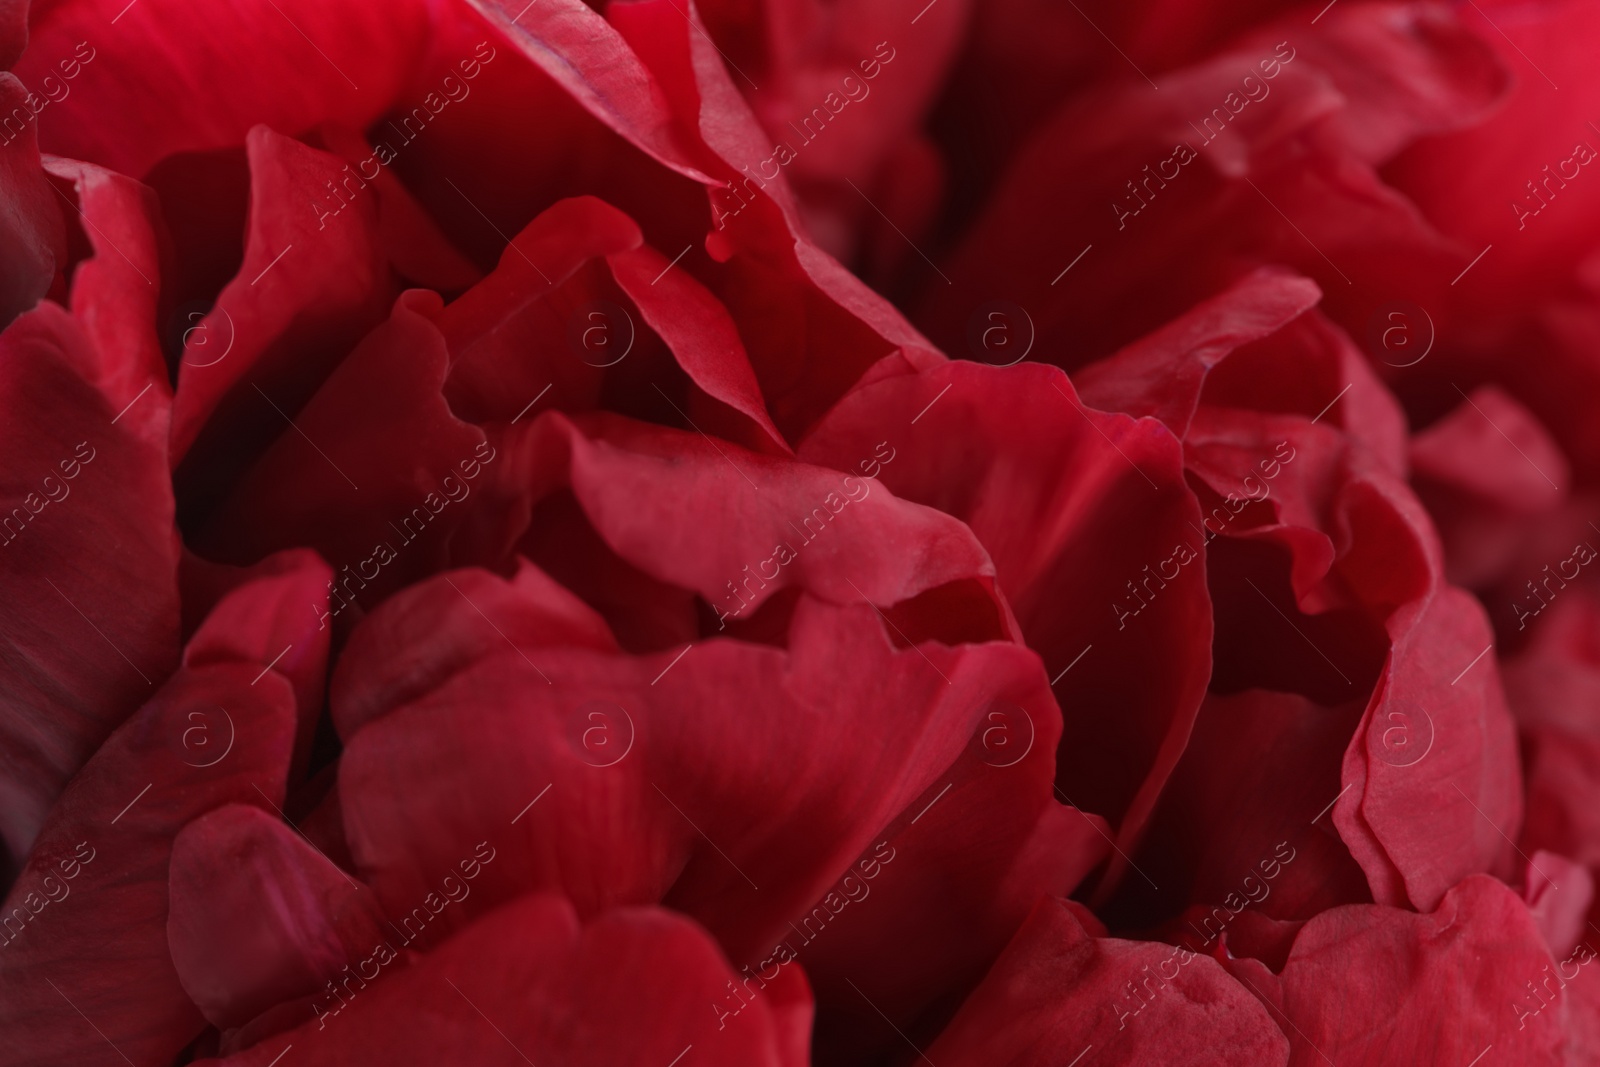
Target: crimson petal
{"points": [[312, 282], [258, 916], [124, 110], [1067, 551], [31, 232], [670, 777], [528, 984], [1058, 992], [1425, 992], [125, 808], [96, 619]]}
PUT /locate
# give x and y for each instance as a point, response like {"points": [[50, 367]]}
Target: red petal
{"points": [[987, 843], [114, 292], [312, 282], [1560, 909], [125, 807], [700, 332], [1440, 987], [258, 916], [1289, 180], [1103, 497], [136, 96], [1488, 472], [1058, 992], [1468, 779], [1215, 843], [1162, 374], [528, 984], [1552, 684], [95, 624], [371, 448], [581, 51], [839, 537], [13, 31], [272, 617], [1475, 184], [31, 232], [424, 634], [411, 240], [864, 562], [510, 336], [801, 53], [791, 299], [1360, 545], [601, 783]]}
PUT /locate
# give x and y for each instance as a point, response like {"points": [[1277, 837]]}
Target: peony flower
{"points": [[776, 534]]}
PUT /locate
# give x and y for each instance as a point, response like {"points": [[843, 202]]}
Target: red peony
{"points": [[779, 533]]}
